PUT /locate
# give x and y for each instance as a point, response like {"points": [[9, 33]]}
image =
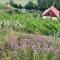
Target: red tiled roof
{"points": [[56, 12]]}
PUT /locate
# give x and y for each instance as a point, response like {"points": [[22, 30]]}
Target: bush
{"points": [[20, 6], [29, 5]]}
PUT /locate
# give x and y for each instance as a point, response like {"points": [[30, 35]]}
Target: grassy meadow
{"points": [[27, 36]]}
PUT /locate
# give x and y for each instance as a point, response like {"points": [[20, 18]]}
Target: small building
{"points": [[51, 12]]}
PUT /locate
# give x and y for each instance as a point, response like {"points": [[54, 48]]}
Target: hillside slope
{"points": [[23, 2]]}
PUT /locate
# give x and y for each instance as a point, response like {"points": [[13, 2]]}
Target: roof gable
{"points": [[52, 8]]}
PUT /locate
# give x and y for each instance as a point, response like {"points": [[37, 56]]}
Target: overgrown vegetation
{"points": [[44, 4], [40, 5], [23, 35], [29, 23], [20, 46]]}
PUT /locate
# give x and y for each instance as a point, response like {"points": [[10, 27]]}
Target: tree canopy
{"points": [[43, 4], [29, 5]]}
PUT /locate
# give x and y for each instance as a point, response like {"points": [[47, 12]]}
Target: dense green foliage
{"points": [[43, 4], [30, 5], [11, 2], [29, 22]]}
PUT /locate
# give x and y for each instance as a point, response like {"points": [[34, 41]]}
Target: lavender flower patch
{"points": [[29, 47]]}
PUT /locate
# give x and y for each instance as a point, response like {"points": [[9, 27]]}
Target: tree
{"points": [[15, 5], [29, 5], [36, 7], [43, 4], [11, 2], [57, 4], [20, 6]]}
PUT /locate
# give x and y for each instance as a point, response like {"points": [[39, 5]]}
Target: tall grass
{"points": [[19, 46]]}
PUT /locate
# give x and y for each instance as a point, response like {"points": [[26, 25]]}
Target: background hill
{"points": [[23, 2]]}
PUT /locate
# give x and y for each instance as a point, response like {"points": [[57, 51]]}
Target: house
{"points": [[51, 12]]}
